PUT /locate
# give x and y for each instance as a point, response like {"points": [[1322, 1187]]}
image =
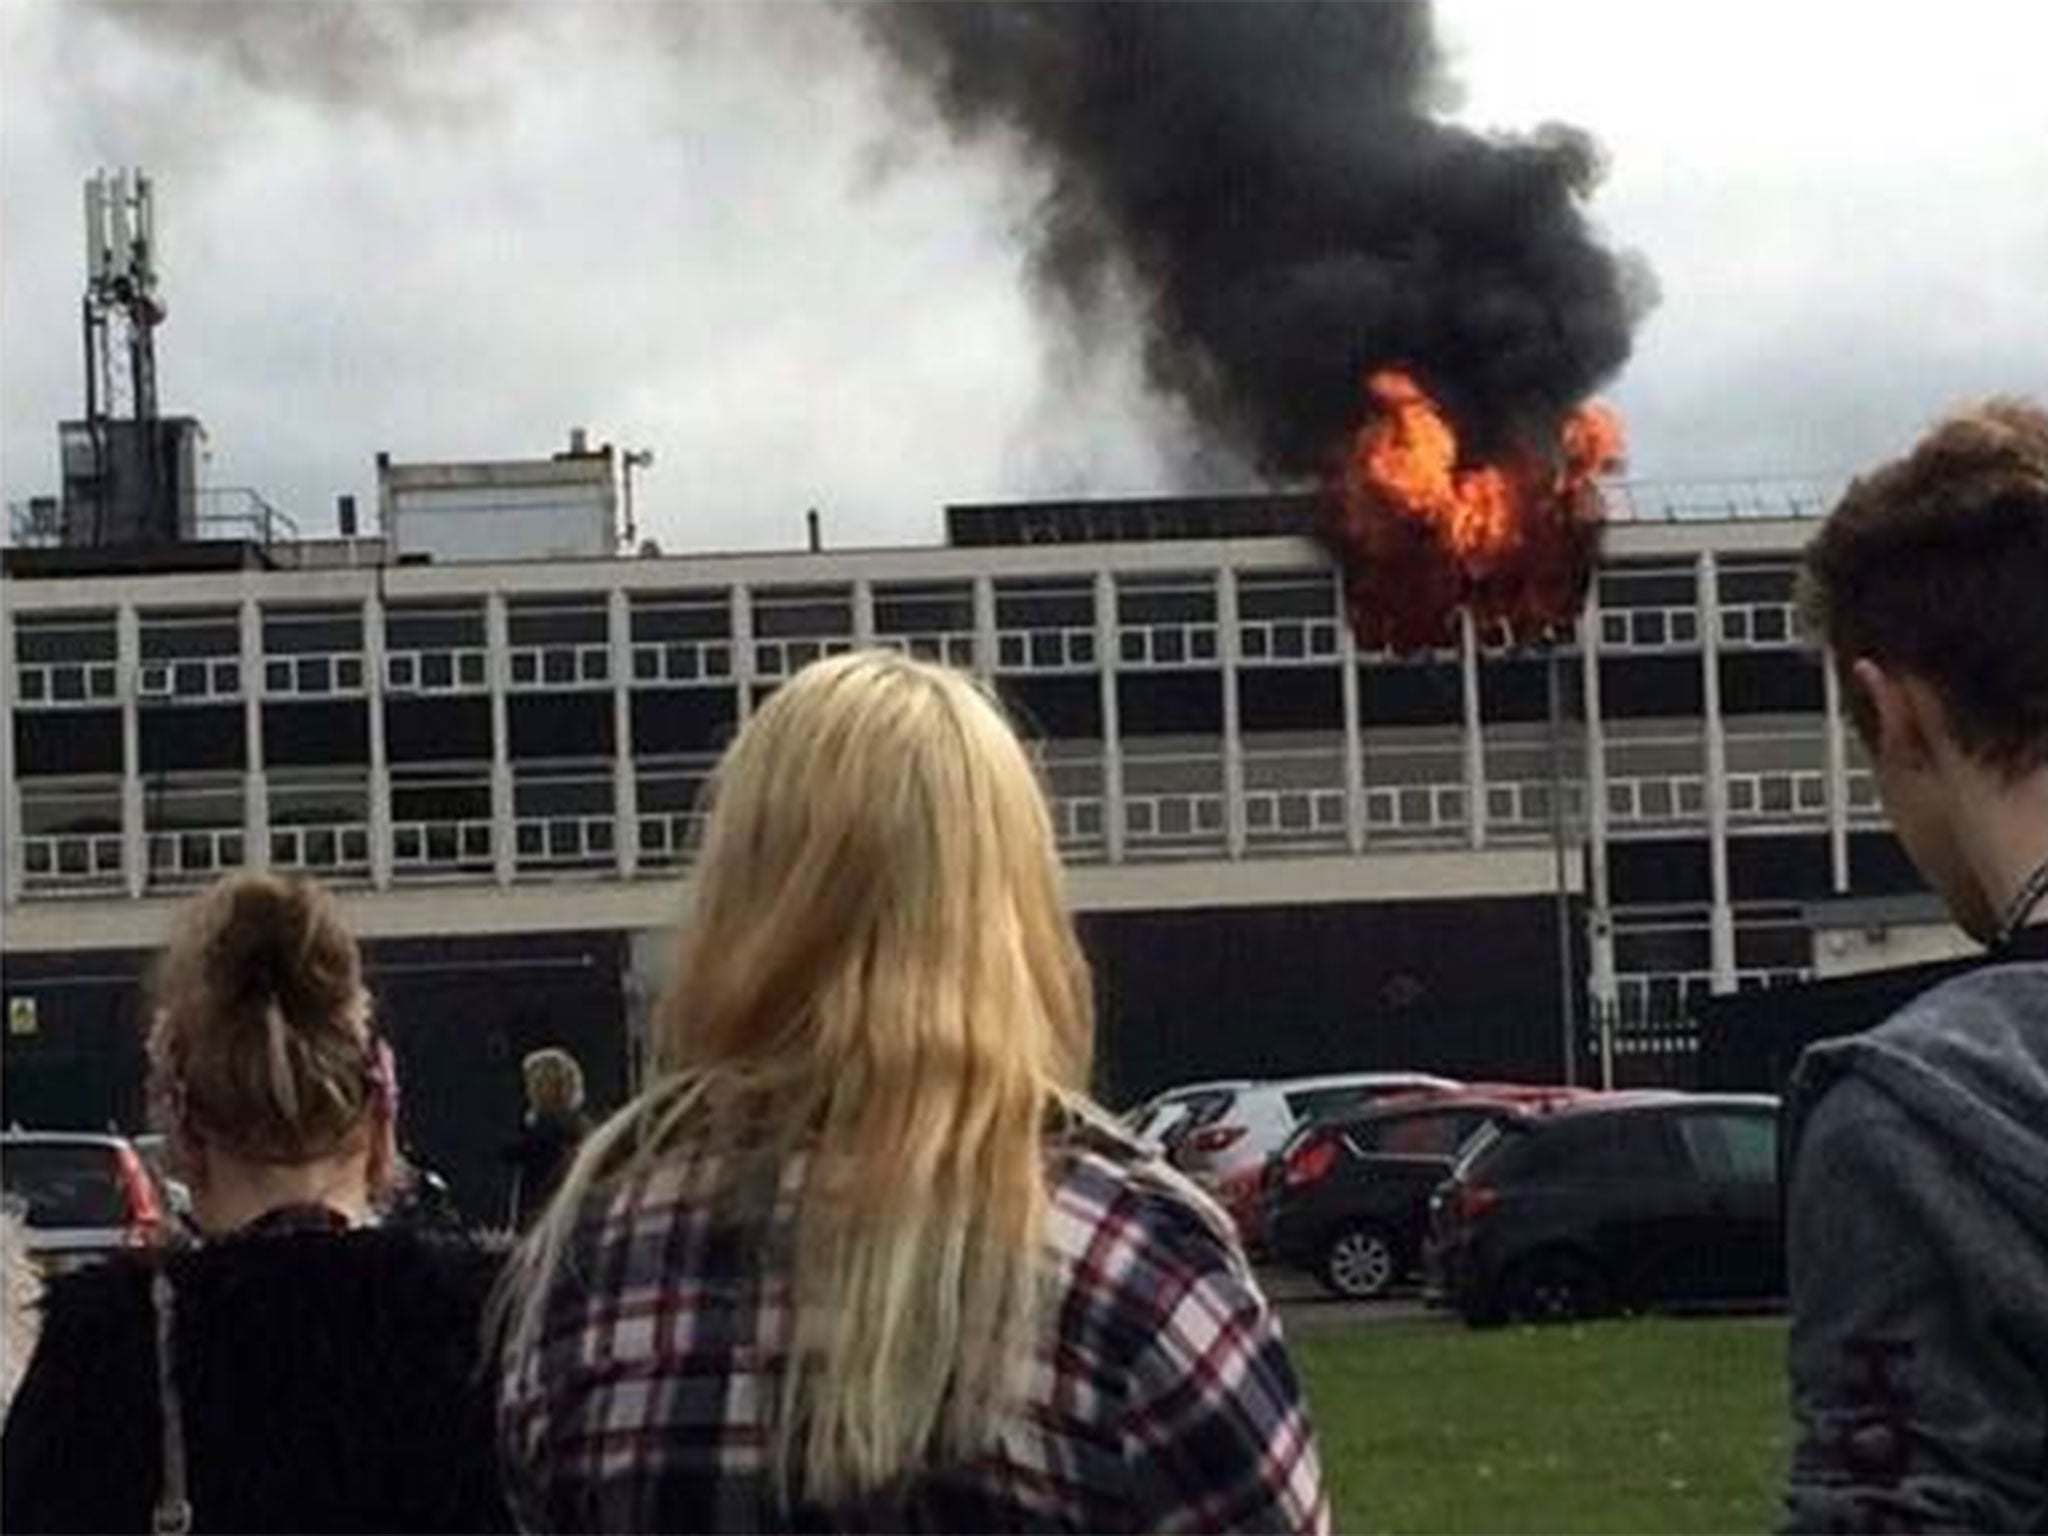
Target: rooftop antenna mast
{"points": [[121, 311]]}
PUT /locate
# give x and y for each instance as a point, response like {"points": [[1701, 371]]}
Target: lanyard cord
{"points": [[173, 1514], [2029, 896]]}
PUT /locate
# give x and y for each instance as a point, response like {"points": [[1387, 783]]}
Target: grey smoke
{"points": [[1270, 178]]}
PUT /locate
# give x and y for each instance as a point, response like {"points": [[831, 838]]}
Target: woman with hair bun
{"points": [[864, 1256], [299, 1368]]}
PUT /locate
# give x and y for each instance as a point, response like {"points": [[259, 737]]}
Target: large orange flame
{"points": [[1422, 533]]}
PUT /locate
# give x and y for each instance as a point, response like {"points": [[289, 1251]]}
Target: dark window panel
{"points": [[1755, 586], [579, 625], [1411, 693], [1649, 687], [561, 725], [1298, 597], [160, 642], [75, 638], [1773, 947], [782, 613], [304, 735], [1057, 605], [1189, 604], [1879, 866], [1771, 683], [1658, 872], [677, 617], [437, 730], [1677, 946], [1290, 699], [433, 629], [903, 610], [1170, 704], [439, 800], [1054, 708], [1779, 868], [678, 720], [300, 634], [1516, 690], [77, 741], [190, 738], [1666, 588]]}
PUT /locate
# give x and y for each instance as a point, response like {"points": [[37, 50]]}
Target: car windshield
{"points": [[66, 1184]]}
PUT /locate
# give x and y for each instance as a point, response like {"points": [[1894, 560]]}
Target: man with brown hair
{"points": [[1917, 1207]]}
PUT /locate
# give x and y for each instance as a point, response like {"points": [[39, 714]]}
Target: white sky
{"points": [[699, 231]]}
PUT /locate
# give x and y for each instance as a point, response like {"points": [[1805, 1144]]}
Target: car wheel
{"points": [[1359, 1262], [1554, 1288]]}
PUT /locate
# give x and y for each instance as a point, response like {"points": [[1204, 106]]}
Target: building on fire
{"points": [[1286, 854]]}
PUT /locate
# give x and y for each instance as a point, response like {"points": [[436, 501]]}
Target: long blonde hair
{"points": [[878, 977]]}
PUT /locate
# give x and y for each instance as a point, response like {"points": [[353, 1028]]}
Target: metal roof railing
{"points": [[1742, 499]]}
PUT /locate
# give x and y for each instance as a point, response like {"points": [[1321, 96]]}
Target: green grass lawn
{"points": [[1642, 1424]]}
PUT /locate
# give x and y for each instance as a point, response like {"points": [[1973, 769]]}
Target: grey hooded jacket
{"points": [[1917, 1233]]}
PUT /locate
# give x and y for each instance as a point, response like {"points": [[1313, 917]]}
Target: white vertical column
{"points": [[1721, 919], [625, 776], [743, 649], [1112, 728], [1354, 733], [863, 613], [10, 789], [255, 782], [376, 680], [498, 636], [1605, 987], [134, 835], [1234, 830], [1838, 777], [985, 626], [1475, 741]]}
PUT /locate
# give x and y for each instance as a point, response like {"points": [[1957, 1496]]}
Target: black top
{"points": [[331, 1381], [546, 1146]]}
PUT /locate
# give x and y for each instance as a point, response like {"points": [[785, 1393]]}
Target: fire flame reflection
{"points": [[1422, 533]]}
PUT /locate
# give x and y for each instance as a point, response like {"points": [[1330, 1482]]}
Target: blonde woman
{"points": [[552, 1130], [21, 1294], [864, 1256], [299, 1368]]}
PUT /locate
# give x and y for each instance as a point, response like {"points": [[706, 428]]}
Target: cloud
{"points": [[703, 230]]}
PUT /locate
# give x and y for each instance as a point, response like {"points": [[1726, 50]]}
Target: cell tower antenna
{"points": [[121, 311]]}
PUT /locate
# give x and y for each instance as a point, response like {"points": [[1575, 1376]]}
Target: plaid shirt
{"points": [[1160, 1398]]}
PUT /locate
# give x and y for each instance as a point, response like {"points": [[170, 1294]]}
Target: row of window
{"points": [[1186, 820], [1677, 627], [1277, 642]]}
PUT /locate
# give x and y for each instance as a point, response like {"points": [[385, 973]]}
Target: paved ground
{"points": [[1306, 1306]]}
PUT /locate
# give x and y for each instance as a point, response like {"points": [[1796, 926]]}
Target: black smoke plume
{"points": [[1271, 179]]}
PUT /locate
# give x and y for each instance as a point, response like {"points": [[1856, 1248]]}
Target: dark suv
{"points": [[1347, 1200], [1613, 1205]]}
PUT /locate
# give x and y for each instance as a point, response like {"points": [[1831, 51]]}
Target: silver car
{"points": [[82, 1195]]}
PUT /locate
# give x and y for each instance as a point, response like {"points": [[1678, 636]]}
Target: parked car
{"points": [[1615, 1204], [1225, 1146], [155, 1151], [1161, 1118], [1347, 1199], [83, 1195]]}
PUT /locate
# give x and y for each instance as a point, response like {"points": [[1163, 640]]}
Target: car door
{"points": [[1412, 1156], [1739, 1240], [1642, 1201]]}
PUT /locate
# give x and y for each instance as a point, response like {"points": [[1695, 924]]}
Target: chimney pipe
{"points": [[579, 441], [817, 537], [345, 514]]}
